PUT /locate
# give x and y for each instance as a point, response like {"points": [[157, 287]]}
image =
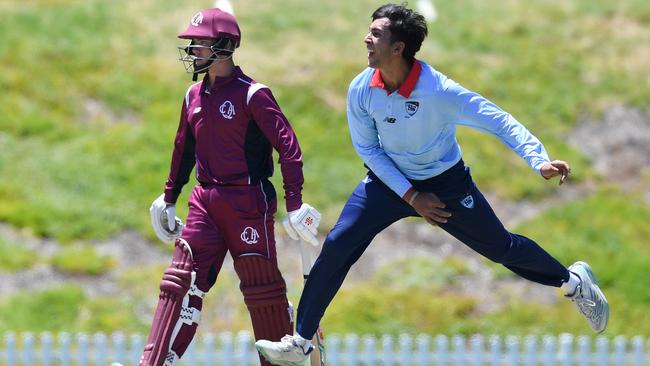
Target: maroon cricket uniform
{"points": [[230, 135], [228, 130]]}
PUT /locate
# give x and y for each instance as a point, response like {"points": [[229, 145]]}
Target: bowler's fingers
{"points": [[564, 169], [430, 221], [434, 201]]}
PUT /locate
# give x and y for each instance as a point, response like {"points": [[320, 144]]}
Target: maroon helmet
{"points": [[213, 23]]}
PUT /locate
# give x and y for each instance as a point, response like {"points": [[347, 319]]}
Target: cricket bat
{"points": [[317, 356]]}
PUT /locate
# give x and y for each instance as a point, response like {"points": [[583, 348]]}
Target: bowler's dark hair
{"points": [[405, 25]]}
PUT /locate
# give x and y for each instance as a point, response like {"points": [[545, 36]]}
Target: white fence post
{"points": [[458, 342], [351, 349], [227, 348], [244, 351], [530, 351], [637, 351], [549, 356], [566, 349], [119, 347], [10, 350], [476, 350], [602, 351], [28, 352], [100, 343], [46, 348], [405, 349], [64, 351], [136, 348], [369, 350], [619, 350], [333, 349], [495, 350], [442, 346], [387, 350], [82, 342], [512, 350], [422, 354]]}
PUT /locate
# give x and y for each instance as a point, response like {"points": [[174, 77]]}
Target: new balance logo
{"points": [[390, 120]]}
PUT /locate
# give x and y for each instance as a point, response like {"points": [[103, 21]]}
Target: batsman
{"points": [[229, 127]]}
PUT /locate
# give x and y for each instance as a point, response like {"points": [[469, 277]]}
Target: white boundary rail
{"points": [[47, 349]]}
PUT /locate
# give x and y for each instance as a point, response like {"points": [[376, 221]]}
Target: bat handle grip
{"points": [[307, 261]]}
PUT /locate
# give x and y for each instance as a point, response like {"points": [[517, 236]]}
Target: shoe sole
{"points": [[592, 278]]}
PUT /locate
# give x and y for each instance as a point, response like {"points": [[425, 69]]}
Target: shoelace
{"points": [[586, 306], [288, 344]]}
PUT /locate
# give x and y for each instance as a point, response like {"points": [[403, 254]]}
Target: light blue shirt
{"points": [[411, 134]]}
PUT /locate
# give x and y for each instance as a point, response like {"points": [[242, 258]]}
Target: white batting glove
{"points": [[303, 223], [165, 224]]}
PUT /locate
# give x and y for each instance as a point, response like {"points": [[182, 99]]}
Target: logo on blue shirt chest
{"points": [[411, 107]]}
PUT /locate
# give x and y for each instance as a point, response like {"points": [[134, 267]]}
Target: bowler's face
{"points": [[378, 42]]}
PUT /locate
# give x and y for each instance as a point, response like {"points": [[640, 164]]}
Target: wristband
{"points": [[413, 197]]}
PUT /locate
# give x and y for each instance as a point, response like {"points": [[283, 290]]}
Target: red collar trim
{"points": [[376, 81], [407, 87]]}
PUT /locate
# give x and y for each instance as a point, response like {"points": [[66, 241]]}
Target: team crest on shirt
{"points": [[468, 201], [411, 107], [227, 109], [249, 235]]}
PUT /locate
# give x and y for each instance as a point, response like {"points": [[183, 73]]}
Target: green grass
{"points": [[14, 257], [82, 260], [610, 231], [546, 64], [94, 91], [55, 310]]}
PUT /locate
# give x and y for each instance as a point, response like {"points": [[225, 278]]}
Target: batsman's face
{"points": [[378, 42], [203, 52]]}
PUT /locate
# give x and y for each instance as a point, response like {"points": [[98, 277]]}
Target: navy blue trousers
{"points": [[373, 206]]}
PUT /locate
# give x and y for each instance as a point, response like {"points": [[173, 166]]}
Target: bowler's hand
{"points": [[555, 168], [429, 206]]}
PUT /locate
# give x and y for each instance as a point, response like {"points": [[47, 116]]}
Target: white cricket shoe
{"points": [[287, 352], [588, 297]]}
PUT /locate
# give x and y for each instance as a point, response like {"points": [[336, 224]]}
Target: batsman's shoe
{"points": [[588, 297], [287, 352]]}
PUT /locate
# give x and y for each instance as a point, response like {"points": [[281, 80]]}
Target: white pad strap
{"points": [[190, 315], [194, 291], [171, 358], [253, 89]]}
